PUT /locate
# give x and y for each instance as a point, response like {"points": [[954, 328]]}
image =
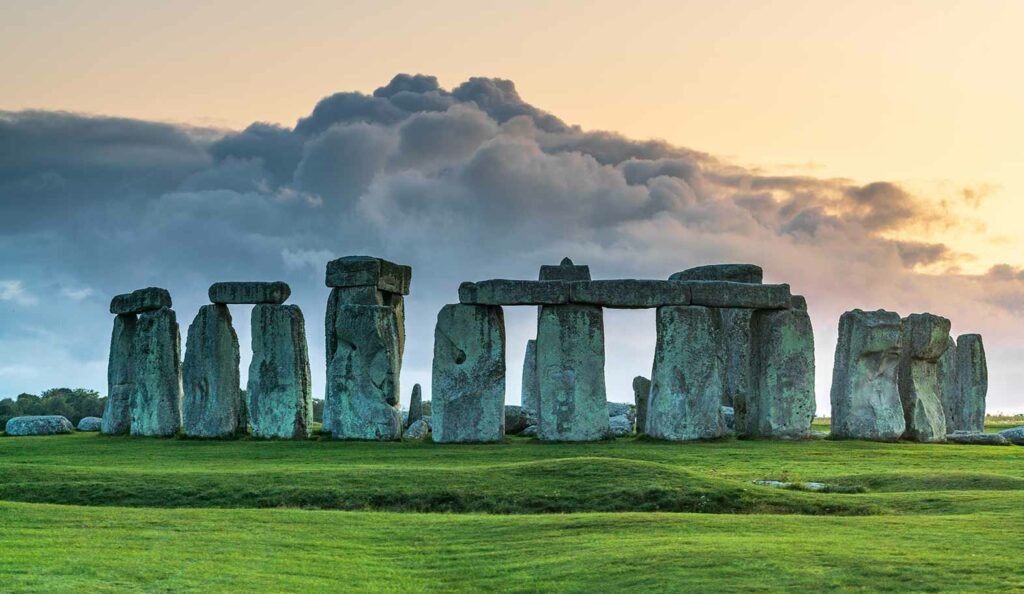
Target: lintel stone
{"points": [[566, 271], [514, 292], [630, 293], [274, 293], [148, 299], [358, 271], [733, 294], [738, 273]]}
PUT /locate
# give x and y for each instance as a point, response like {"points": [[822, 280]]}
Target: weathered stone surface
{"points": [[566, 271], [117, 418], [629, 293], [737, 273], [622, 409], [530, 431], [530, 391], [156, 387], [1014, 435], [924, 340], [949, 390], [641, 392], [274, 293], [38, 425], [729, 294], [734, 350], [363, 373], [972, 383], [415, 405], [686, 384], [356, 271], [865, 398], [419, 429], [518, 418], [977, 438], [570, 368], [148, 299], [279, 393], [780, 403], [620, 425], [798, 302], [468, 384], [514, 292], [212, 405], [89, 424], [730, 418]]}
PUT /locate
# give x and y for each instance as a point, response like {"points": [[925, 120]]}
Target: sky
{"points": [[866, 153]]}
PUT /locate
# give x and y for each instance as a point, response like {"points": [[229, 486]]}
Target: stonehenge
{"points": [[279, 393], [212, 405]]}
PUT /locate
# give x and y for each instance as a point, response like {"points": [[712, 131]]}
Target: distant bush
{"points": [[71, 403]]}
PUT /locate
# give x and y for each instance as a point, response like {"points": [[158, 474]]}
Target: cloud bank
{"points": [[464, 184]]}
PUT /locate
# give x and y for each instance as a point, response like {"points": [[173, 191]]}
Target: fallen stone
{"points": [[949, 390], [518, 418], [136, 302], [686, 386], [357, 271], [419, 429], [924, 340], [468, 389], [514, 292], [620, 425], [566, 271], [818, 435], [156, 388], [780, 403], [1014, 435], [622, 409], [641, 392], [212, 405], [798, 302], [530, 431], [279, 393], [977, 438], [117, 418], [734, 350], [530, 394], [629, 293], [810, 486], [729, 294], [363, 373], [415, 405], [972, 383], [90, 424], [38, 425], [274, 293], [865, 398], [736, 273], [570, 367]]}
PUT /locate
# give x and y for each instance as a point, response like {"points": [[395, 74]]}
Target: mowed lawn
{"points": [[86, 512]]}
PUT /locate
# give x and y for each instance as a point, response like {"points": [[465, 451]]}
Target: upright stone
{"points": [[279, 394], [362, 374], [530, 394], [212, 405], [641, 393], [924, 340], [415, 405], [565, 271], [686, 385], [117, 417], [949, 389], [865, 398], [972, 380], [734, 351], [468, 390], [570, 371], [780, 403], [156, 386]]}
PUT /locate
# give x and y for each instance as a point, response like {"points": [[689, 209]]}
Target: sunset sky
{"points": [[869, 153]]}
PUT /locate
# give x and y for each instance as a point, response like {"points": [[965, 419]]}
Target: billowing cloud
{"points": [[464, 184]]}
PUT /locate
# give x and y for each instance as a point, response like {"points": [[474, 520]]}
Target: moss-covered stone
{"points": [[138, 301], [972, 383], [925, 339], [156, 380], [780, 402], [279, 393], [737, 273], [117, 418], [641, 394], [249, 292], [212, 405], [530, 393]]}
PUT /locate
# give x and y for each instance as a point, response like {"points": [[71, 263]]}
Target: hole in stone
{"points": [[460, 358]]}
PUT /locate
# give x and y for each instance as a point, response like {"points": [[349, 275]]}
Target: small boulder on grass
{"points": [[419, 429], [517, 418], [530, 431], [620, 425], [89, 424], [38, 425]]}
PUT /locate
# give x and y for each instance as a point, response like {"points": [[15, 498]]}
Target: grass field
{"points": [[185, 515]]}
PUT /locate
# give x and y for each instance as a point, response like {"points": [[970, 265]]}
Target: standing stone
{"points": [[117, 417], [686, 385], [279, 393], [865, 398], [949, 389], [362, 374], [734, 351], [212, 404], [780, 403], [924, 340], [570, 368], [530, 395], [415, 405], [156, 379], [641, 393], [469, 374], [972, 381]]}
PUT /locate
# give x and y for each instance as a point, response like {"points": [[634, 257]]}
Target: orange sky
{"points": [[928, 94]]}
